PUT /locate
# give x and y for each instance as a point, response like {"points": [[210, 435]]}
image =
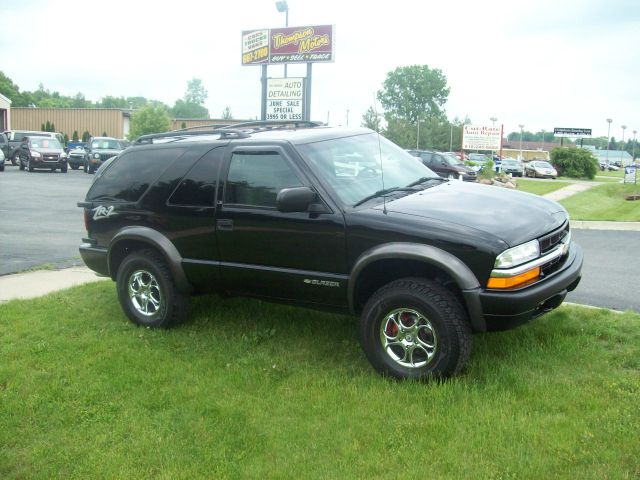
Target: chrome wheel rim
{"points": [[145, 293], [408, 338]]}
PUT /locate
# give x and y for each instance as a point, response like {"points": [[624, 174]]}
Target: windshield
{"points": [[352, 165], [543, 165], [451, 160], [510, 163], [48, 143], [105, 144]]}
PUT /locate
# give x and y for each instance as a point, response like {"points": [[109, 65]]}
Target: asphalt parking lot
{"points": [[40, 222]]}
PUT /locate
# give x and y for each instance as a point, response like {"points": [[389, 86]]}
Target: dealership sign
{"points": [[572, 132], [285, 98], [309, 44], [480, 137]]}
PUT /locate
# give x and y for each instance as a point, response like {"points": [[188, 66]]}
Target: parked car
{"points": [[611, 167], [445, 165], [540, 168], [4, 147], [512, 166], [101, 149], [15, 138], [478, 160], [42, 152], [1, 160], [77, 155], [277, 213]]}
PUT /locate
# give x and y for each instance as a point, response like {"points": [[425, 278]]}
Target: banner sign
{"points": [[480, 137], [274, 46], [285, 98], [572, 132]]}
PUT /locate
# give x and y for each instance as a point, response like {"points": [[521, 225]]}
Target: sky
{"points": [[542, 63]]}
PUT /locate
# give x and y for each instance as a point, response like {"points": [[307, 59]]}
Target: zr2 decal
{"points": [[103, 212]]}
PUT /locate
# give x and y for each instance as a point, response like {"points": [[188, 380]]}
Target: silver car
{"points": [[541, 169]]}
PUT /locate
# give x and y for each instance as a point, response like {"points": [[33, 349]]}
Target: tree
{"points": [[149, 119], [574, 162], [226, 113], [74, 136], [196, 93], [413, 92], [86, 136], [371, 119], [183, 109], [112, 102]]}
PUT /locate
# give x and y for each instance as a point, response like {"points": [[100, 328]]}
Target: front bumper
{"points": [[40, 163], [501, 310]]}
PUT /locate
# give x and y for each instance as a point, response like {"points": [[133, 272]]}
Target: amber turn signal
{"points": [[503, 283]]}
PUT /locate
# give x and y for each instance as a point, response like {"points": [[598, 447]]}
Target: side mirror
{"points": [[296, 199]]}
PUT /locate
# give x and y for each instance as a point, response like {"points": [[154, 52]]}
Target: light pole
{"points": [[609, 120], [451, 137], [493, 124], [521, 127], [542, 143], [282, 7], [624, 127], [633, 147]]}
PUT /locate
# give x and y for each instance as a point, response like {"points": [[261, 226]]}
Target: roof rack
{"points": [[179, 134], [238, 130]]}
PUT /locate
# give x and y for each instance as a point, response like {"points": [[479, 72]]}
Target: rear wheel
{"points": [[415, 328], [15, 159], [147, 292]]}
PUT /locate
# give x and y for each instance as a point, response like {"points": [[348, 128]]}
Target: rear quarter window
{"points": [[132, 173]]}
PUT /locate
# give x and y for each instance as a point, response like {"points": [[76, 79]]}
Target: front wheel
{"points": [[15, 159], [147, 292], [415, 328], [29, 167]]}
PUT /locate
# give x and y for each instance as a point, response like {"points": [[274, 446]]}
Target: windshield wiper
{"points": [[382, 193], [426, 179]]}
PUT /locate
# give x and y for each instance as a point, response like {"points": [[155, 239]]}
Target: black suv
{"points": [[445, 165], [99, 150], [329, 218]]}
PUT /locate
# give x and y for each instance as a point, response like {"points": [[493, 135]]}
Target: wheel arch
{"points": [[385, 263], [137, 238]]}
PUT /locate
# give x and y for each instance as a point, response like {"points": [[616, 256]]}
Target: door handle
{"points": [[224, 224]]}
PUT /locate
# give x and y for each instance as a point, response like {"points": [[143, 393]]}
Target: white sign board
{"points": [[480, 137], [285, 98]]}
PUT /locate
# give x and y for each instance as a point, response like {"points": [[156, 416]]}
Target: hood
{"points": [[514, 217], [48, 151]]}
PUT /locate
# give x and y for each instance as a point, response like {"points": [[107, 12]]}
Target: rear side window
{"points": [[198, 187], [132, 173]]}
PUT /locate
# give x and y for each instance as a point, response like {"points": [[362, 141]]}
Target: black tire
{"points": [[432, 336], [74, 166], [29, 167], [91, 169], [153, 300], [84, 167], [21, 165], [15, 159], [1, 165], [63, 168]]}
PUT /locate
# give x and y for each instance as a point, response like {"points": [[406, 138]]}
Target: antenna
{"points": [[375, 110]]}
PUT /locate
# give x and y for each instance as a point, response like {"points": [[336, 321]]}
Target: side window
{"points": [[198, 187], [129, 176], [255, 178]]}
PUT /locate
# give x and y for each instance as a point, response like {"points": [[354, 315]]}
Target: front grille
{"points": [[106, 156], [50, 158], [551, 240]]}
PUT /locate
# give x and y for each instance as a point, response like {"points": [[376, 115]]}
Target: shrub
{"points": [[574, 162]]}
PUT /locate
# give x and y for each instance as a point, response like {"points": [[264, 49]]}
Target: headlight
{"points": [[35, 154], [64, 155], [96, 155], [518, 255]]}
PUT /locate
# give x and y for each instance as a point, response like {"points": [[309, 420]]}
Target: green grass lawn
{"points": [[539, 187], [247, 389], [605, 202]]}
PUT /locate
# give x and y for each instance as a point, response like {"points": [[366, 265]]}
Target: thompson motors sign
{"points": [[310, 44]]}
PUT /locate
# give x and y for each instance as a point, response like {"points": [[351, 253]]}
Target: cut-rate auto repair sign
{"points": [[285, 98], [481, 137]]}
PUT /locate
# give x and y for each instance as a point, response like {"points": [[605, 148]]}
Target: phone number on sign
{"points": [[256, 55]]}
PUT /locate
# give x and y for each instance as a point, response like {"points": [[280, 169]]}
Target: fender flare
{"points": [[160, 243], [452, 265]]}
